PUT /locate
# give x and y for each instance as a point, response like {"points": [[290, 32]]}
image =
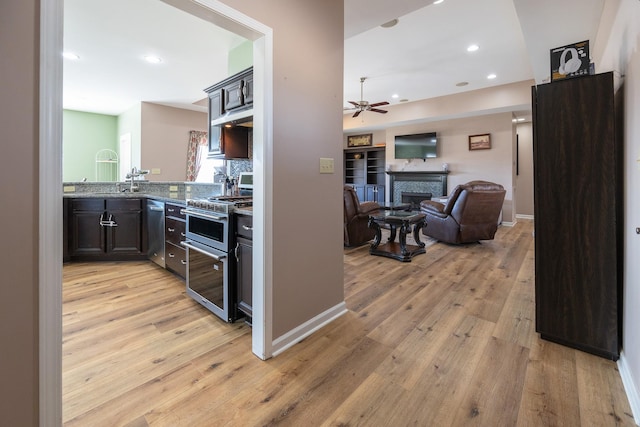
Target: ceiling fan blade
{"points": [[357, 104], [375, 110], [356, 114], [378, 104]]}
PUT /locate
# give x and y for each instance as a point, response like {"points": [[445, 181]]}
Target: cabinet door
{"points": [[380, 193], [232, 95], [244, 274], [577, 166], [215, 111], [248, 90], [87, 235], [174, 231], [176, 259], [374, 193], [125, 236]]}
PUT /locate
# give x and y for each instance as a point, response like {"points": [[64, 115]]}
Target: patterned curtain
{"points": [[197, 143]]}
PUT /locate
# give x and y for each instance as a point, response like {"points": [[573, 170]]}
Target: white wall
{"points": [[619, 42], [523, 193], [130, 122]]}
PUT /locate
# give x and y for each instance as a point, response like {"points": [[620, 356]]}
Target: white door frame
{"points": [[50, 188]]}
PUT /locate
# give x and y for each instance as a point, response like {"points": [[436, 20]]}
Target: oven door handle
{"points": [[202, 251], [203, 215]]}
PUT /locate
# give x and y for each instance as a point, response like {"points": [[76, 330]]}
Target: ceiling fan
{"points": [[363, 105]]}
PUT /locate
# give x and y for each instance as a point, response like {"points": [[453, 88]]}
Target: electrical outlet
{"points": [[173, 188], [326, 165], [155, 171], [69, 189]]}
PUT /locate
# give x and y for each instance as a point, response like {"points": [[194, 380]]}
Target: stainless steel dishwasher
{"points": [[155, 231]]}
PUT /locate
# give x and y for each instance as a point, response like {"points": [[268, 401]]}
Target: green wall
{"points": [[83, 135], [240, 57]]}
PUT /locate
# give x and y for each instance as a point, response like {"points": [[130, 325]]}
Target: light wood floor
{"points": [[448, 339]]}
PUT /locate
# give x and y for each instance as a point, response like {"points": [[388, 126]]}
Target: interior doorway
{"points": [[50, 180]]}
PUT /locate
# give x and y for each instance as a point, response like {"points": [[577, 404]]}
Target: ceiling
{"points": [[421, 57]]}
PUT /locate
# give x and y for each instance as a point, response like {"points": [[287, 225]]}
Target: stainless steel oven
{"points": [[210, 269], [208, 279]]}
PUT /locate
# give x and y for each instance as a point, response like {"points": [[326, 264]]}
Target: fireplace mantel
{"points": [[434, 182]]}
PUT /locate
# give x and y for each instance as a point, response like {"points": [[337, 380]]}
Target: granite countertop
{"points": [[168, 197]]}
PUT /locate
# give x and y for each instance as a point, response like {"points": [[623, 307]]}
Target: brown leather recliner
{"points": [[356, 218], [470, 214]]}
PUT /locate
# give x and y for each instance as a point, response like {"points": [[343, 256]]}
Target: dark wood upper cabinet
{"points": [[578, 214], [226, 97]]}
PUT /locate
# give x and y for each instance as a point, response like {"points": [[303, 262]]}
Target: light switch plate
{"points": [[173, 188], [326, 165], [155, 171]]}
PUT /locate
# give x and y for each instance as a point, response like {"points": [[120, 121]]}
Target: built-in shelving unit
{"points": [[364, 170]]}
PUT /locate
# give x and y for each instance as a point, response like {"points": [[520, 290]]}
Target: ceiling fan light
{"points": [[152, 59]]}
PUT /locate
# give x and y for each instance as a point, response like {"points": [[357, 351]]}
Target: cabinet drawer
{"points": [[87, 204], [176, 259], [174, 230], [244, 226], [173, 210], [123, 204]]}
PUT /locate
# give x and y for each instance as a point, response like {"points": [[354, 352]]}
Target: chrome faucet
{"points": [[135, 172]]}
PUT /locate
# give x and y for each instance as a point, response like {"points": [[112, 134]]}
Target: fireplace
{"points": [[423, 182], [414, 198]]}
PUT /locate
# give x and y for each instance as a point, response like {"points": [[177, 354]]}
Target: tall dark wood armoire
{"points": [[578, 214]]}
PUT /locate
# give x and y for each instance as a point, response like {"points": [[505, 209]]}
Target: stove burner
{"points": [[220, 204], [231, 198]]}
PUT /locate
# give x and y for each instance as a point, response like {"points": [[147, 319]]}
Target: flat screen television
{"points": [[416, 146]]}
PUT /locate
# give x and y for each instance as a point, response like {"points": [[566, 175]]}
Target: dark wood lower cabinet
{"points": [[106, 229], [244, 266], [174, 253]]}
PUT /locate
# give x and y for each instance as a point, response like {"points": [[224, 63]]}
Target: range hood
{"points": [[235, 118]]}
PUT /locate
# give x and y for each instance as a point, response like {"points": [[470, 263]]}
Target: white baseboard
{"points": [[629, 387], [522, 216], [296, 335], [508, 223]]}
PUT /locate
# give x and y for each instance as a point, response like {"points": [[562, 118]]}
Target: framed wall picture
{"points": [[359, 140], [480, 142]]}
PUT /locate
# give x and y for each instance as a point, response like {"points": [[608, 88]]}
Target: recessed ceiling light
{"points": [[473, 48], [438, 1], [390, 24], [151, 59], [394, 96], [70, 55], [460, 84], [491, 76]]}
